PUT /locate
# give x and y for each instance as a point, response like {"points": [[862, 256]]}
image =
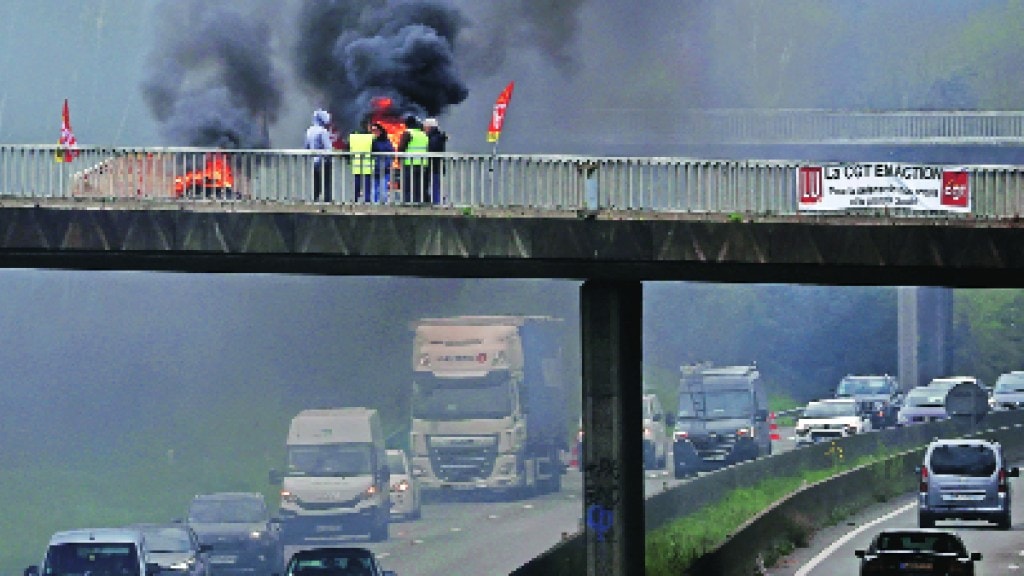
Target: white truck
{"points": [[337, 479], [489, 403]]}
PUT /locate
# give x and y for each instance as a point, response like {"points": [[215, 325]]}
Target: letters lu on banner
{"points": [[498, 115]]}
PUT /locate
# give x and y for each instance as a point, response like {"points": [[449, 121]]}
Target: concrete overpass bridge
{"points": [[611, 222]]}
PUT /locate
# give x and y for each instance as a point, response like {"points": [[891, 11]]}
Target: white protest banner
{"points": [[873, 185]]}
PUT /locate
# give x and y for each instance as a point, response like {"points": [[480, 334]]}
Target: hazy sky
{"points": [[592, 76]]}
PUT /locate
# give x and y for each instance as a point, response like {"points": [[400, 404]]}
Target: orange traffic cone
{"points": [[773, 428]]}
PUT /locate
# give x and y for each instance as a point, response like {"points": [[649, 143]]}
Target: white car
{"points": [[405, 488], [825, 420]]}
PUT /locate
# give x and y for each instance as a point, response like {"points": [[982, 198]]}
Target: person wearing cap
{"points": [[318, 137], [413, 142], [436, 142]]}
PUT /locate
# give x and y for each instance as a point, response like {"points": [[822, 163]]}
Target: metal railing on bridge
{"points": [[822, 126], [670, 185]]}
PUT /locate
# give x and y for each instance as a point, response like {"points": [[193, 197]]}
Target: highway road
{"points": [[484, 536], [831, 551]]}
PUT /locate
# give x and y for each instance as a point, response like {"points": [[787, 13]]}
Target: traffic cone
{"points": [[773, 428]]}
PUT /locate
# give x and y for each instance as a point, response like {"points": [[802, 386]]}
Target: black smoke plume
{"points": [[211, 80], [352, 52]]}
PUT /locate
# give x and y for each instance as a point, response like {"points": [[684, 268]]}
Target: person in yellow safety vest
{"points": [[360, 144], [414, 141]]}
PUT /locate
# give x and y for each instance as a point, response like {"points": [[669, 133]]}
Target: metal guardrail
{"points": [[669, 185], [820, 126]]}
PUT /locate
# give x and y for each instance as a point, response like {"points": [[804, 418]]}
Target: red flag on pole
{"points": [[498, 115], [67, 137]]}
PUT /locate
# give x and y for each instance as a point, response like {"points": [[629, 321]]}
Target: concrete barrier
{"points": [[798, 512]]}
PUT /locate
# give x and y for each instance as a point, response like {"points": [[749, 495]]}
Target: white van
{"points": [[337, 480], [95, 551]]}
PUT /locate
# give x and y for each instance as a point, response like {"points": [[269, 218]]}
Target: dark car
{"points": [[336, 561], [237, 526], [920, 551], [175, 548]]}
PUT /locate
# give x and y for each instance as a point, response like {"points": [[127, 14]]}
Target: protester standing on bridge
{"points": [[319, 138], [382, 159], [436, 142], [360, 143], [413, 142]]}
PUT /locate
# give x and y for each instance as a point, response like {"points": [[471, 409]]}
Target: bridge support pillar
{"points": [[611, 319]]}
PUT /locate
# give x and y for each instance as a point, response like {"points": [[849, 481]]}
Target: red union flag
{"points": [[67, 137], [498, 115], [955, 189]]}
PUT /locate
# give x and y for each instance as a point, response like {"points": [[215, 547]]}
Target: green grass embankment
{"points": [[672, 549]]}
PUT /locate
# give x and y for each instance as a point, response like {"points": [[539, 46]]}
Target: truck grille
{"points": [[457, 464], [713, 447]]}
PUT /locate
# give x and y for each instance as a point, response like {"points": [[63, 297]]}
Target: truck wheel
{"points": [[925, 520], [1003, 521], [379, 533]]}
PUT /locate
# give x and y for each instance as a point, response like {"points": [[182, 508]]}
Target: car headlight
{"points": [[400, 486], [648, 433]]}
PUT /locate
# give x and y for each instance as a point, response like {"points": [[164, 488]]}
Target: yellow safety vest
{"points": [[417, 144], [361, 163]]}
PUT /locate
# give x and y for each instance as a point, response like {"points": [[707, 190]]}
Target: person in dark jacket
{"points": [[437, 141], [382, 150]]}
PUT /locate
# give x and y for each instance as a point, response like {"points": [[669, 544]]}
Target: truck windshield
{"points": [[462, 398], [715, 404], [92, 558], [329, 460], [862, 386]]}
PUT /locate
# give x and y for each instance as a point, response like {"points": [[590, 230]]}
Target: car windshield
{"points": [[945, 382], [227, 510], [396, 463], [830, 409], [1010, 383], [863, 386], [92, 559], [926, 397], [920, 542], [167, 540], [330, 460], [352, 563], [963, 460]]}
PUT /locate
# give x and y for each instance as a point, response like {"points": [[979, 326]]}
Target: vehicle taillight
{"points": [[682, 435], [648, 433], [400, 486], [1002, 481], [745, 432], [287, 496], [924, 480]]}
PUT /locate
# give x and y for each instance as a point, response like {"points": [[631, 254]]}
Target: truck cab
{"points": [[722, 419]]}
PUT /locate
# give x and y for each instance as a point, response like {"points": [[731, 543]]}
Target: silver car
{"points": [[175, 548], [1008, 393], [923, 404], [405, 488], [964, 479]]}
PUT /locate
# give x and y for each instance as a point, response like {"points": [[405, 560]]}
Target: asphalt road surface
{"points": [[831, 551]]}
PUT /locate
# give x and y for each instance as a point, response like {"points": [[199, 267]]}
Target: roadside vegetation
{"points": [[672, 549]]}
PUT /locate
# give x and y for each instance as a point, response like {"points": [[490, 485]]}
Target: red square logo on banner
{"points": [[809, 184], [955, 190]]}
